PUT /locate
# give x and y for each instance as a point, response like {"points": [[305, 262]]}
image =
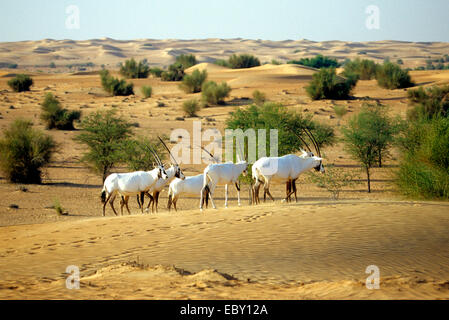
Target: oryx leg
{"points": [[267, 190], [294, 190], [105, 203], [175, 199], [155, 200], [288, 190], [238, 193], [256, 191], [226, 196]]}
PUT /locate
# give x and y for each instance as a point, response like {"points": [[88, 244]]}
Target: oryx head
{"points": [[160, 166], [243, 162], [178, 172], [318, 160]]}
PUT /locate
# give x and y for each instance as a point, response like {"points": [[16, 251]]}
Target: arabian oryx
{"points": [[130, 184], [173, 172], [191, 186], [222, 174], [285, 169]]}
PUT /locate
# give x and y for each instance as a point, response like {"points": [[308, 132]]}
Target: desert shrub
{"points": [[340, 112], [214, 94], [12, 66], [391, 76], [105, 136], [56, 117], [364, 69], [156, 72], [289, 124], [59, 208], [147, 91], [222, 62], [133, 70], [52, 65], [138, 156], [20, 83], [259, 98], [191, 107], [317, 62], [194, 82], [369, 136], [24, 151], [186, 60], [327, 85], [243, 61], [334, 180], [429, 102], [115, 86], [424, 167], [175, 73], [275, 62]]}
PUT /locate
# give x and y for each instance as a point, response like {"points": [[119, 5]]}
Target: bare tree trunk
{"points": [[369, 179]]}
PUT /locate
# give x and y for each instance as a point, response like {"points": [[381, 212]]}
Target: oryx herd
{"points": [[265, 171]]}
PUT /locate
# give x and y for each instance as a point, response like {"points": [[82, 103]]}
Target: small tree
{"points": [[115, 86], [364, 69], [243, 61], [340, 112], [24, 151], [194, 82], [175, 73], [138, 156], [146, 91], [20, 83], [133, 70], [327, 85], [259, 98], [191, 107], [334, 180], [156, 72], [57, 117], [105, 137], [428, 103], [391, 76], [214, 94], [318, 62], [186, 60], [369, 136]]}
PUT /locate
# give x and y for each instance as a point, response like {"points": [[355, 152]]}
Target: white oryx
{"points": [[191, 186], [222, 174], [285, 169], [130, 184], [173, 172]]}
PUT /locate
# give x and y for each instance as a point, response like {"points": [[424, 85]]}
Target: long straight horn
{"points": [[301, 138], [155, 156], [315, 143], [163, 143], [242, 153]]}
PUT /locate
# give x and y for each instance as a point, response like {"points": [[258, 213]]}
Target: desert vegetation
{"points": [[363, 68], [57, 117], [20, 83], [24, 152], [391, 76], [215, 94], [327, 85], [191, 107], [115, 86], [317, 62], [147, 91], [193, 83], [133, 70]]}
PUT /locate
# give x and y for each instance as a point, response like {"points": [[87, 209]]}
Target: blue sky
{"points": [[409, 20]]}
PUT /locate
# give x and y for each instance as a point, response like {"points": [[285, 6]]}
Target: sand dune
{"points": [[161, 52]]}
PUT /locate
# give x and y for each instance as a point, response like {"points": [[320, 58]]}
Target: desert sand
{"points": [[317, 248]]}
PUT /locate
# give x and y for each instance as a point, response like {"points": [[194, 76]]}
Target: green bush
{"points": [[223, 63], [24, 151], [288, 123], [147, 91], [193, 83], [364, 69], [106, 137], [186, 60], [57, 117], [327, 85], [243, 61], [12, 66], [138, 156], [429, 102], [214, 94], [424, 167], [20, 83], [175, 73], [259, 98], [191, 107], [115, 86], [317, 62], [391, 76], [156, 72], [133, 70]]}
